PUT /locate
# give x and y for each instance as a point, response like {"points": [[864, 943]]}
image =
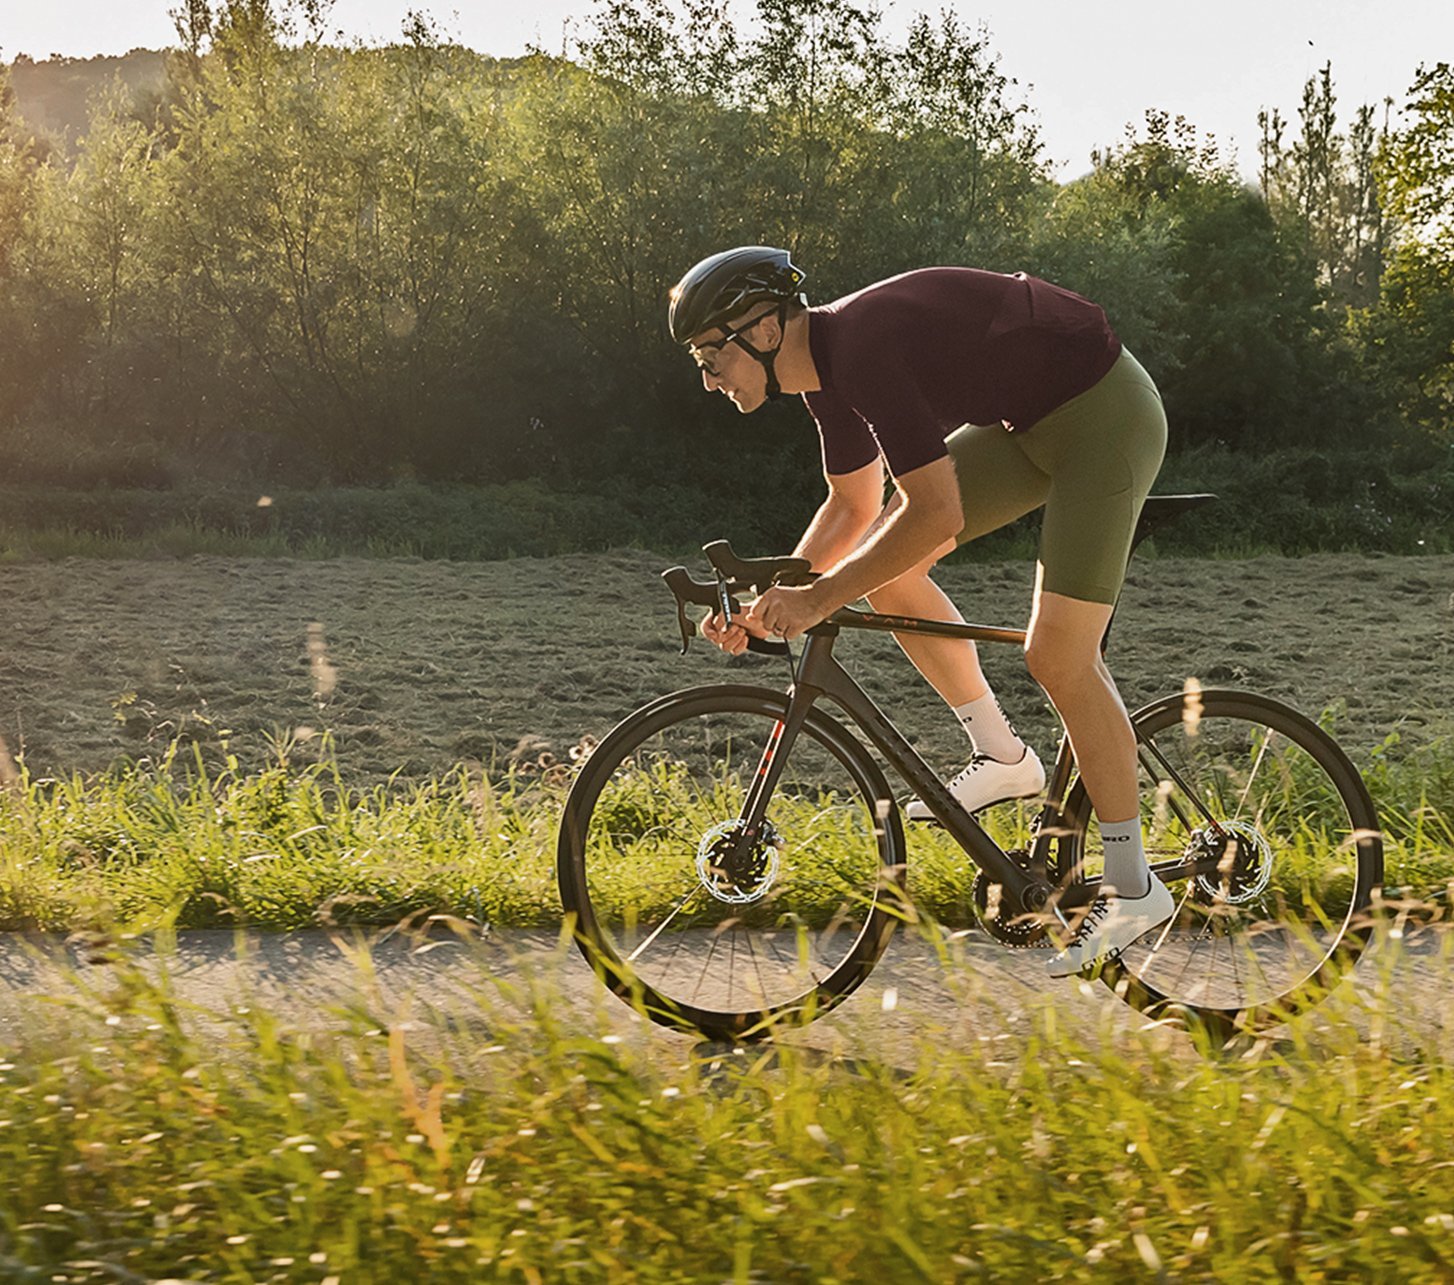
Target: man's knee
{"points": [[1057, 662], [891, 598]]}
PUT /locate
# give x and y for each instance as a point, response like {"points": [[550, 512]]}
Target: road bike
{"points": [[732, 857]]}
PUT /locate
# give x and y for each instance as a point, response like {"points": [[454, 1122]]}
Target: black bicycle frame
{"points": [[819, 675]]}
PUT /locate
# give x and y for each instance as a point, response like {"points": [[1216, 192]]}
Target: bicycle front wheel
{"points": [[1266, 836], [705, 932]]}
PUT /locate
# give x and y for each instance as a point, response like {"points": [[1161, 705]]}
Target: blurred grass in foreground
{"points": [[145, 1138]]}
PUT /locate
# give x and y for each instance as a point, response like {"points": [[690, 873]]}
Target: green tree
{"points": [[970, 157], [331, 223], [20, 180], [1221, 306], [107, 198], [812, 81], [16, 173], [1322, 187], [1410, 335]]}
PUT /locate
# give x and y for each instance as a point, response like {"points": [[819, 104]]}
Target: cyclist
{"points": [[985, 396]]}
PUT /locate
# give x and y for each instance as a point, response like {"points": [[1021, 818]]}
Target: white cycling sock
{"points": [[1126, 868], [989, 730]]}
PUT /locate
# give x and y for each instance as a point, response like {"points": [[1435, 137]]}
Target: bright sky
{"points": [[1087, 69]]}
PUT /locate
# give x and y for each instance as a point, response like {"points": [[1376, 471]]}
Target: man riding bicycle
{"points": [[985, 396]]}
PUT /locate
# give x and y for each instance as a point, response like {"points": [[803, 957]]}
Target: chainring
{"points": [[1018, 932]]}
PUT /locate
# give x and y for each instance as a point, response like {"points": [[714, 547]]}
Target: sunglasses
{"points": [[705, 354]]}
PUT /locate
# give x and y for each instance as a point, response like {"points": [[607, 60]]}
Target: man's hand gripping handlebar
{"points": [[734, 576]]}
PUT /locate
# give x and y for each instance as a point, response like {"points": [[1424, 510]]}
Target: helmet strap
{"points": [[768, 360]]}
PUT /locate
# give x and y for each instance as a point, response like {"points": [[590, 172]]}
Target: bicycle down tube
{"points": [[820, 675]]}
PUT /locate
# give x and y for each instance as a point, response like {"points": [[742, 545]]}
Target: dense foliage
{"points": [[285, 261]]}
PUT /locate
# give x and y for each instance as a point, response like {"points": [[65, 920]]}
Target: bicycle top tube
{"points": [[738, 575], [852, 618]]}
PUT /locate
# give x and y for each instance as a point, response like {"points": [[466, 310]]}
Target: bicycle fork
{"points": [[769, 770]]}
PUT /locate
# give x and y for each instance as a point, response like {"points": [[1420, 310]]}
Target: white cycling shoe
{"points": [[1110, 925], [986, 781]]}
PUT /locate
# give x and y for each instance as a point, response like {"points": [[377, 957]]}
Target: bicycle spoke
{"points": [[1252, 776], [1170, 923], [661, 927], [813, 870], [712, 940], [763, 991], [1278, 837]]}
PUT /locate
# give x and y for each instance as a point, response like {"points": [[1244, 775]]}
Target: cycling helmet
{"points": [[723, 285]]}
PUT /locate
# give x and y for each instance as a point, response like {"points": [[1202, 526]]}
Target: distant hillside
{"points": [[54, 96]]}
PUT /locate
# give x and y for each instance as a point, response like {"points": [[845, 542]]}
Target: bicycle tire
{"points": [[623, 842], [1288, 911]]}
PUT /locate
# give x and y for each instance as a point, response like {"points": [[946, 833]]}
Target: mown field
{"points": [[412, 667], [288, 743]]}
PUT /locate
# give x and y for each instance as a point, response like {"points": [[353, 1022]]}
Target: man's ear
{"points": [[769, 332]]}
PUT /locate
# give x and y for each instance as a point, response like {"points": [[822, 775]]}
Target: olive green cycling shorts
{"points": [[1090, 462]]}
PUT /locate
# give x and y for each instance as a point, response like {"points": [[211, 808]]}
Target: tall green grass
{"points": [[284, 847], [174, 842], [538, 1140], [527, 1136]]}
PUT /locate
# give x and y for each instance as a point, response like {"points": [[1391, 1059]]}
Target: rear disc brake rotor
{"points": [[1244, 864]]}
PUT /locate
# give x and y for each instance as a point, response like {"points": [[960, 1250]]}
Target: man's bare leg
{"points": [[951, 665], [1063, 654], [1001, 766]]}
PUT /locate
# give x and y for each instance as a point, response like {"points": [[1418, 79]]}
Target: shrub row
{"points": [[1290, 501]]}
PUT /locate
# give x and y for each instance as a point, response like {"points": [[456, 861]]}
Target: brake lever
{"points": [[686, 588]]}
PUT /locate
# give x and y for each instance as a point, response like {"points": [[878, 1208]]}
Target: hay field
{"points": [[412, 667]]}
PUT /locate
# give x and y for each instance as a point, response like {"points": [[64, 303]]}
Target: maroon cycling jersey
{"points": [[907, 361]]}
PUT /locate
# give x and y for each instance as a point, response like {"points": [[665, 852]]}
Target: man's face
{"points": [[727, 367]]}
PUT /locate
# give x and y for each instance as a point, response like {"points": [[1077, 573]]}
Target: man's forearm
{"points": [[907, 537], [833, 533]]}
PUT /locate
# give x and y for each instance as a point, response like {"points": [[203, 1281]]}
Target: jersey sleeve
{"points": [[848, 442], [888, 398]]}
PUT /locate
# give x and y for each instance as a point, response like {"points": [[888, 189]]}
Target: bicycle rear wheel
{"points": [[702, 932], [1287, 843]]}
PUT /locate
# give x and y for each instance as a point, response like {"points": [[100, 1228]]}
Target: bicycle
{"points": [[731, 857]]}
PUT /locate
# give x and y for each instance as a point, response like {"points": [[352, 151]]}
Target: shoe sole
{"points": [[1091, 970], [931, 819]]}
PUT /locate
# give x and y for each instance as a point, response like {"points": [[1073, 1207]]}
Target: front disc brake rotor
{"points": [[737, 872]]}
